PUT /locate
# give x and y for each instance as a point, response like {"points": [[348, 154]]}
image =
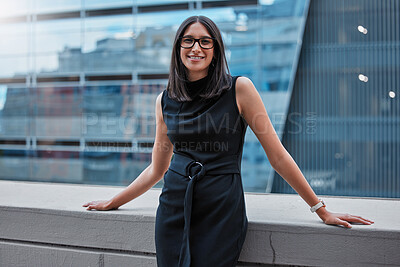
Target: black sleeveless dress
{"points": [[201, 218]]}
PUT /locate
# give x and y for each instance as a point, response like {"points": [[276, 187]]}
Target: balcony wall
{"points": [[44, 224]]}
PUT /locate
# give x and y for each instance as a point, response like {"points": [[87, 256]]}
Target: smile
{"points": [[192, 57]]}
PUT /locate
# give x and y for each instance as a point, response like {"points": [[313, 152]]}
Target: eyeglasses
{"points": [[204, 42]]}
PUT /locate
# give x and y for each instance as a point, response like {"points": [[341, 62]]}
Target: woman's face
{"points": [[196, 59]]}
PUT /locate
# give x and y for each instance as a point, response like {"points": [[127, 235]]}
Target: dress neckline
{"points": [[194, 88]]}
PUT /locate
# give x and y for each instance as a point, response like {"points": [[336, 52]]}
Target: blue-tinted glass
{"points": [[14, 130], [112, 168], [15, 112], [281, 8], [52, 165], [261, 43], [108, 44], [57, 112], [57, 44], [47, 63], [14, 49], [13, 65], [14, 39], [120, 112], [49, 6], [113, 115], [103, 107], [163, 2], [15, 163], [345, 134], [97, 4]]}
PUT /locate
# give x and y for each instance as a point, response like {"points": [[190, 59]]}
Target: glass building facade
{"points": [[344, 130], [79, 79]]}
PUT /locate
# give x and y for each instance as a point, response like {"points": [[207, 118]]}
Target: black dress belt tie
{"points": [[195, 171]]}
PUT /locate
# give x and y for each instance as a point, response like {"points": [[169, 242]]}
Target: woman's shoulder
{"points": [[242, 82], [160, 100], [243, 86], [245, 92]]}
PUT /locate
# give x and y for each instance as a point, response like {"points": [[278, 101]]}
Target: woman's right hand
{"points": [[99, 205]]}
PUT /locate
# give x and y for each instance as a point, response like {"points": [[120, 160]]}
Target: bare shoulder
{"points": [[245, 92], [159, 107], [158, 100], [243, 81]]}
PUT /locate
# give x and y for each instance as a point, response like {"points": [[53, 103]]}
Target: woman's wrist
{"points": [[322, 213], [111, 205]]}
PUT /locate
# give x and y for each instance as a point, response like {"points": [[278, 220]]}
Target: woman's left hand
{"points": [[342, 219]]}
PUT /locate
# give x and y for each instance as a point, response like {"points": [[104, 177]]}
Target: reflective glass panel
{"points": [[344, 132], [13, 65], [57, 112], [94, 4], [108, 44], [11, 8], [163, 2], [15, 164], [47, 6], [15, 112], [57, 45], [14, 39], [108, 119]]}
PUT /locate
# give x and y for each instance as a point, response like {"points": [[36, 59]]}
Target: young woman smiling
{"points": [[201, 219]]}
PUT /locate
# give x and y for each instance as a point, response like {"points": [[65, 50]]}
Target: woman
{"points": [[202, 117]]}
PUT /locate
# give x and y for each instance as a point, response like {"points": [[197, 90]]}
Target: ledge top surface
{"points": [[283, 210]]}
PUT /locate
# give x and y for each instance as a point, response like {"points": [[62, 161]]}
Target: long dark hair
{"points": [[218, 71]]}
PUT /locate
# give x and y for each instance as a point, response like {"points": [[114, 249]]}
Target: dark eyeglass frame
{"points": [[198, 41]]}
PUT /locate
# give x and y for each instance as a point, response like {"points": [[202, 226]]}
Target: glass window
{"points": [[57, 112], [15, 110], [57, 35], [112, 168], [13, 65], [51, 165], [97, 4], [158, 2], [11, 8], [15, 164], [57, 45], [14, 49], [47, 63], [120, 112], [49, 6], [102, 108], [96, 127], [109, 43], [14, 39]]}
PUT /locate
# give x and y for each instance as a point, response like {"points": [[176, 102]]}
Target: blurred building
{"points": [[345, 130], [79, 81]]}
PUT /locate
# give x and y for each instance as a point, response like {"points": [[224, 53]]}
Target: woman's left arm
{"points": [[253, 111]]}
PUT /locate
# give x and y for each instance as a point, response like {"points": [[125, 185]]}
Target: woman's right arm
{"points": [[161, 158]]}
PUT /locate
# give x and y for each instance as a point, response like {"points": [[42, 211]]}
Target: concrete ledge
{"points": [[44, 225], [17, 254]]}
